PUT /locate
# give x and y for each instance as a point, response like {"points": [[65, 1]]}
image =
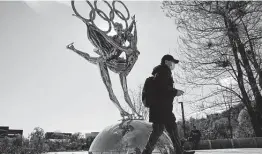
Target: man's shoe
{"points": [[188, 152]]}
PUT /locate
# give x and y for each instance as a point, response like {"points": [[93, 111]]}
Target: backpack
{"points": [[148, 92]]}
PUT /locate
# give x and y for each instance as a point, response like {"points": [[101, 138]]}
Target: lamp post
{"points": [[183, 117]]}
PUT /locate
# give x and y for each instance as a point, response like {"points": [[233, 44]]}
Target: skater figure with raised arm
{"points": [[109, 49]]}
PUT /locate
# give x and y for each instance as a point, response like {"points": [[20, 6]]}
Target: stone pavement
{"points": [[231, 151], [216, 151]]}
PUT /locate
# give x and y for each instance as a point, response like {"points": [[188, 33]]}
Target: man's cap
{"points": [[169, 58]]}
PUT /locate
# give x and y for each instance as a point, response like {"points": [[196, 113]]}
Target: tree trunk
{"points": [[250, 75], [253, 57], [254, 112], [257, 117], [256, 123]]}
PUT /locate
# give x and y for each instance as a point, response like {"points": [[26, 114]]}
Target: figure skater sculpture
{"points": [[109, 49]]}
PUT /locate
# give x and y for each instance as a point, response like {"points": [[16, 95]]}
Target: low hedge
{"points": [[255, 142]]}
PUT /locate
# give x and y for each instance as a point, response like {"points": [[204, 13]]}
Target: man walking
{"points": [[160, 110], [195, 136]]}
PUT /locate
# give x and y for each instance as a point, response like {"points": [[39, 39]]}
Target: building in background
{"points": [[57, 135], [92, 134], [6, 132]]}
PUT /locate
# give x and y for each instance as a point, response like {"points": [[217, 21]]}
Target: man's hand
{"points": [[179, 92]]}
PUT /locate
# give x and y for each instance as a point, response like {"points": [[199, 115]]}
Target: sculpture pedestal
{"points": [[124, 137]]}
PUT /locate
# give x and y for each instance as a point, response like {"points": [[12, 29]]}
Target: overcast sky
{"points": [[45, 85]]}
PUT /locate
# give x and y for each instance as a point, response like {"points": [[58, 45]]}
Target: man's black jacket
{"points": [[195, 135], [161, 110]]}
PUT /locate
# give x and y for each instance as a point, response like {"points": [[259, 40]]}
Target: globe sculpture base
{"points": [[129, 136]]}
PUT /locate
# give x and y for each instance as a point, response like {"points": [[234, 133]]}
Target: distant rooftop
{"points": [[5, 131]]}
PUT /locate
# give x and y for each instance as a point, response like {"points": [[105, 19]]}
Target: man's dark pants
{"points": [[158, 128], [195, 144]]}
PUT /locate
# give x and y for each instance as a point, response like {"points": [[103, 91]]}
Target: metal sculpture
{"points": [[109, 49]]}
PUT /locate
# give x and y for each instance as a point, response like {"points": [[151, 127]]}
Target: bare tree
{"points": [[136, 97], [228, 102], [222, 39]]}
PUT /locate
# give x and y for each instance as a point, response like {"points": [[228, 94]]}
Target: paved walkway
{"points": [[231, 151], [217, 151]]}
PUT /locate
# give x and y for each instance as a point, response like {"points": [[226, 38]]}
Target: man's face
{"points": [[170, 64]]}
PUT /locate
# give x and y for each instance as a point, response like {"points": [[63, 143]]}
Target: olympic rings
{"points": [[117, 11], [105, 17], [111, 14], [92, 15], [109, 19]]}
